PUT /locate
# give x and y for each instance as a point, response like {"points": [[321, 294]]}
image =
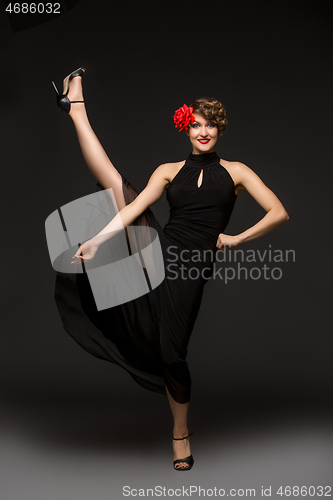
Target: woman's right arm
{"points": [[150, 195]]}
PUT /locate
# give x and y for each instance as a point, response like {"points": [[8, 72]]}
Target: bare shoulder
{"points": [[170, 170], [234, 167], [238, 172]]}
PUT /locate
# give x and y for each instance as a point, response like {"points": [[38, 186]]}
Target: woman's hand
{"points": [[225, 240], [88, 251]]}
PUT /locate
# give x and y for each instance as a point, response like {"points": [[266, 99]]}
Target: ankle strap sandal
{"points": [[188, 460]]}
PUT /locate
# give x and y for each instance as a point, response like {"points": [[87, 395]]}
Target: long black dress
{"points": [[149, 336]]}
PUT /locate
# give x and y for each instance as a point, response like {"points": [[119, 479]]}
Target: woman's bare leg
{"points": [[93, 153], [181, 449]]}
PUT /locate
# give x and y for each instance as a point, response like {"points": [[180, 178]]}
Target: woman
{"points": [[149, 335]]}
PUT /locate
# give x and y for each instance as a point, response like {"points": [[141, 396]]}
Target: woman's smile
{"points": [[203, 135]]}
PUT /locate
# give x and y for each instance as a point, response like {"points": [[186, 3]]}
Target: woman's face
{"points": [[203, 135]]}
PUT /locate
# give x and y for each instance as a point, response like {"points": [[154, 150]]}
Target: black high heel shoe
{"points": [[62, 100], [188, 460]]}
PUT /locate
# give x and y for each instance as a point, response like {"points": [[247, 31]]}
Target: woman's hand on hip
{"points": [[225, 240]]}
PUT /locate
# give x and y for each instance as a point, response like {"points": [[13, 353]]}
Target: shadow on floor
{"points": [[102, 421]]}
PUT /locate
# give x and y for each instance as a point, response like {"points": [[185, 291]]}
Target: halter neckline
{"points": [[203, 160]]}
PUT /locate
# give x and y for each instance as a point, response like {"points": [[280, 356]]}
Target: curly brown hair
{"points": [[212, 110]]}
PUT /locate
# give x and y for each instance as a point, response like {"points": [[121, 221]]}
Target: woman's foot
{"points": [[75, 93], [181, 449]]}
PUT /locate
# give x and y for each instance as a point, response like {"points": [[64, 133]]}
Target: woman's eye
{"points": [[211, 125], [195, 125]]}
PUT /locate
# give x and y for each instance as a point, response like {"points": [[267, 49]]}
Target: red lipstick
{"points": [[203, 141]]}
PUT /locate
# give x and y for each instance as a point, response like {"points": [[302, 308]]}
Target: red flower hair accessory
{"points": [[183, 117]]}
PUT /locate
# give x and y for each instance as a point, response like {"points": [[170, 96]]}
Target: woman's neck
{"points": [[198, 152], [195, 152]]}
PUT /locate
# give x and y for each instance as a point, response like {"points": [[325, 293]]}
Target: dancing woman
{"points": [[149, 336]]}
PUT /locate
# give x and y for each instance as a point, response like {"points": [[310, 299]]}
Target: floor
{"points": [[78, 447]]}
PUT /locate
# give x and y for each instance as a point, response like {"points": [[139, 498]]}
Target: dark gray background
{"points": [[260, 353]]}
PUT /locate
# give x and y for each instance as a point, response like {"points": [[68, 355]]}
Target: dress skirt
{"points": [[147, 336]]}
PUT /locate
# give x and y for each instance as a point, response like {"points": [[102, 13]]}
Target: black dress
{"points": [[149, 336]]}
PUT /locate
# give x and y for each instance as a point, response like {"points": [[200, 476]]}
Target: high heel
{"points": [[188, 460], [62, 100]]}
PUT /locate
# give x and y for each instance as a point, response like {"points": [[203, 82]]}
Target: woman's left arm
{"points": [[247, 180]]}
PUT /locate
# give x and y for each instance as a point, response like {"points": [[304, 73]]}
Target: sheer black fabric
{"points": [[149, 336]]}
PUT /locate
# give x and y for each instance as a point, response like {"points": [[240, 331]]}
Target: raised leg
{"points": [[93, 153], [181, 449]]}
